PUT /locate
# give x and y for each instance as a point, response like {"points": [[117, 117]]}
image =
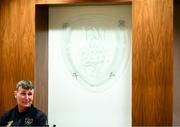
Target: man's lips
{"points": [[27, 102]]}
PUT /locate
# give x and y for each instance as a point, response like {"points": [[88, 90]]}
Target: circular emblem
{"points": [[28, 121]]}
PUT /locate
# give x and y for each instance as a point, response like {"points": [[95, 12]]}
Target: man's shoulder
{"points": [[7, 116], [39, 113], [40, 117], [10, 112]]}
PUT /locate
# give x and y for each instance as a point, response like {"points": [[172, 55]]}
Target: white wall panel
{"points": [[90, 66]]}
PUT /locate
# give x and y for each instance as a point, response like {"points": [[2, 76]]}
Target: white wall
{"points": [[93, 42]]}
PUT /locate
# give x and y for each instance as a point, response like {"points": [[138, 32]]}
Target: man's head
{"points": [[24, 94]]}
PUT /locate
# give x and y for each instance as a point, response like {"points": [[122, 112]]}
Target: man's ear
{"points": [[15, 94]]}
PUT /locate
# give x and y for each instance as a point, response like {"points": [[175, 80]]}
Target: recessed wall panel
{"points": [[90, 66]]}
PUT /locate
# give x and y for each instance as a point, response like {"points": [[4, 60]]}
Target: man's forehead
{"points": [[24, 89]]}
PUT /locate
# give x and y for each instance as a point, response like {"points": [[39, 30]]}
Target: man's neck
{"points": [[22, 109]]}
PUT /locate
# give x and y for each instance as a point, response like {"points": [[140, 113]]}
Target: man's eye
{"points": [[23, 94]]}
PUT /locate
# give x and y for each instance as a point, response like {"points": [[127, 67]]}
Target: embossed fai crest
{"points": [[95, 53]]}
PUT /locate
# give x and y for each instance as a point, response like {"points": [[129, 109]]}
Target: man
{"points": [[24, 114]]}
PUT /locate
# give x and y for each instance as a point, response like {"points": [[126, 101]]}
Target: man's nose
{"points": [[26, 96]]}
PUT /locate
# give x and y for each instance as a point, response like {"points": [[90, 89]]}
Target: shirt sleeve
{"points": [[3, 120], [42, 119]]}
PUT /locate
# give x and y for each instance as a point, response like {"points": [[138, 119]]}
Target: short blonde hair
{"points": [[25, 84]]}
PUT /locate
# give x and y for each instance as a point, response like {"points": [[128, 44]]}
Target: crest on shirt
{"points": [[28, 121], [9, 123]]}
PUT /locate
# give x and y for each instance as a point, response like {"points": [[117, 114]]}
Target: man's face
{"points": [[24, 97]]}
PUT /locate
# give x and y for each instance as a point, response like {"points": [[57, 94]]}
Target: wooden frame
{"points": [[41, 66], [73, 2], [176, 40]]}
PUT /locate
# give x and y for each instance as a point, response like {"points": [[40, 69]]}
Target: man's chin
{"points": [[27, 105]]}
